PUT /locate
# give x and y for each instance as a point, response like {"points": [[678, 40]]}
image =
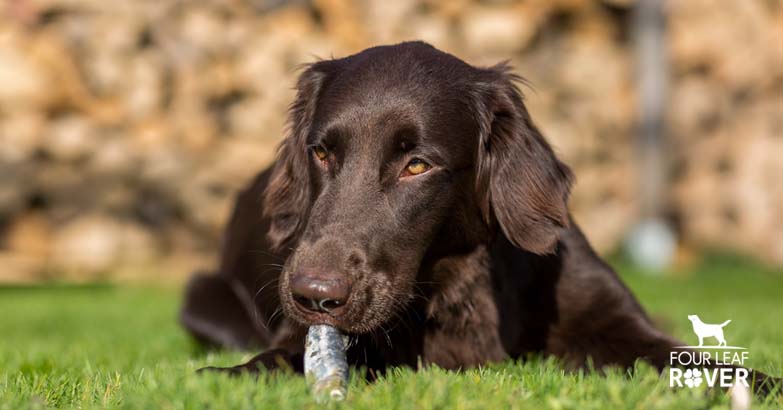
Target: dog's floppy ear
{"points": [[287, 197], [522, 186]]}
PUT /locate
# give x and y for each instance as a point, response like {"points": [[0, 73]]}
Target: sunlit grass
{"points": [[107, 346]]}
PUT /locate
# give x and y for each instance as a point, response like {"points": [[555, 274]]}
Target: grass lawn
{"points": [[110, 345]]}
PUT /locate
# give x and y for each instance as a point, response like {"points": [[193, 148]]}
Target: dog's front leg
{"points": [[286, 353], [451, 350], [462, 329], [274, 359]]}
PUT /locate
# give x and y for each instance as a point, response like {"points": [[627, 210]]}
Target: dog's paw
{"points": [[272, 360]]}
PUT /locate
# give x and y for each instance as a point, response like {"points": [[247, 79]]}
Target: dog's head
{"points": [[693, 318], [396, 155]]}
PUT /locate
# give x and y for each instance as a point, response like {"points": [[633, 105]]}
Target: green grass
{"points": [[120, 346]]}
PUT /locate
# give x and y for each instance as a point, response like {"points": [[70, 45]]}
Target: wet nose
{"points": [[318, 293]]}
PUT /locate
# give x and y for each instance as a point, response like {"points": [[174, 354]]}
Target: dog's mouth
{"points": [[365, 310]]}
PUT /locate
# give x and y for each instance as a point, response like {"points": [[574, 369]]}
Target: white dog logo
{"points": [[693, 365], [703, 330]]}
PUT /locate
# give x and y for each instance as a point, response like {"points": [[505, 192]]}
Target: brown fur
{"points": [[475, 261]]}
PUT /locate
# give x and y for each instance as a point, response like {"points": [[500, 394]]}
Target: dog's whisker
{"points": [[274, 314], [258, 293], [265, 253]]}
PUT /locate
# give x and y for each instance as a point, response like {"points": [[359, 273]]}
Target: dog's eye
{"points": [[320, 152], [416, 167]]}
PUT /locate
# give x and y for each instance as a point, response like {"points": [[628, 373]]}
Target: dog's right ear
{"points": [[287, 197]]}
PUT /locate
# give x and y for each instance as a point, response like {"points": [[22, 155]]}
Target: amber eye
{"points": [[416, 167], [320, 152]]}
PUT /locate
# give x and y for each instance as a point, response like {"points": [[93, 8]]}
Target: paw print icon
{"points": [[692, 378]]}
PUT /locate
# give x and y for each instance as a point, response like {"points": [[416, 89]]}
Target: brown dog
{"points": [[415, 206]]}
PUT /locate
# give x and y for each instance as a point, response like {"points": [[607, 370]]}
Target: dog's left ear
{"points": [[522, 186]]}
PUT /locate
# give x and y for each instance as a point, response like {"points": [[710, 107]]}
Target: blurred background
{"points": [[126, 127]]}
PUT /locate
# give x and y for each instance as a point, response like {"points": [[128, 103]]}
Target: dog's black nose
{"points": [[320, 293]]}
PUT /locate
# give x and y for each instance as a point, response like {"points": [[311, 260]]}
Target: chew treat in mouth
{"points": [[325, 364]]}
